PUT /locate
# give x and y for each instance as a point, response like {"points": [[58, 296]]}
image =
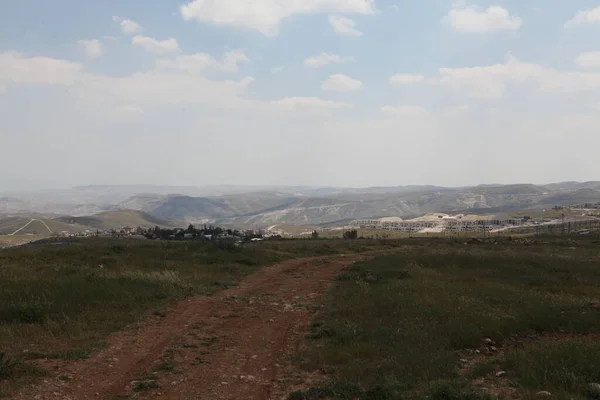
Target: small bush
{"points": [[313, 393], [146, 385], [28, 311], [453, 391], [345, 390], [11, 368], [482, 369], [7, 366], [166, 367]]}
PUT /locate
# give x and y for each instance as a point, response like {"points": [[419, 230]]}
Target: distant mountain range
{"points": [[246, 206]]}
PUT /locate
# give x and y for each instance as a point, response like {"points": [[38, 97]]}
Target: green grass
{"points": [[146, 385], [563, 367], [55, 301], [482, 369], [399, 322], [166, 367]]}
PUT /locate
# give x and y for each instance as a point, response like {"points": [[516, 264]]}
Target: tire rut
{"points": [[235, 344]]}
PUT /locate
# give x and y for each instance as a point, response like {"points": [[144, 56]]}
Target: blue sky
{"points": [[410, 92]]}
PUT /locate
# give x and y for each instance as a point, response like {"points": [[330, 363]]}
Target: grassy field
{"points": [[9, 241], [455, 321], [57, 302]]}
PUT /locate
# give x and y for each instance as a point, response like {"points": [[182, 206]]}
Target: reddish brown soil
{"points": [[235, 344]]}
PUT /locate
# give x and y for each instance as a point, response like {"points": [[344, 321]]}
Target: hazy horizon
{"points": [[259, 187], [327, 93]]}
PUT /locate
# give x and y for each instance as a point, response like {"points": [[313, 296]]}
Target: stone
{"points": [[464, 360], [544, 393], [254, 357], [493, 348], [594, 387], [500, 374], [488, 341]]}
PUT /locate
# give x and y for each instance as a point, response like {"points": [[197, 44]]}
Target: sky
{"points": [[288, 92]]}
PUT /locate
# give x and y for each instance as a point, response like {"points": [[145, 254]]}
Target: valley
{"points": [[253, 208]]}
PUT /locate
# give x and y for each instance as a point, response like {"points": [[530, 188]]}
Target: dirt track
{"points": [[233, 345]]}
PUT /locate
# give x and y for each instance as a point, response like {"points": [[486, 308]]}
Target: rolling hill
{"points": [[26, 225], [284, 205], [34, 225], [121, 218], [271, 208]]}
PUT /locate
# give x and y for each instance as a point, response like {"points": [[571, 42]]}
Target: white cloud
{"points": [[153, 45], [166, 84], [326, 58], [200, 61], [493, 81], [474, 19], [92, 48], [130, 110], [589, 60], [585, 17], [17, 69], [265, 16], [406, 111], [595, 106], [341, 83], [277, 69], [406, 79], [128, 27], [344, 26], [294, 103], [456, 111]]}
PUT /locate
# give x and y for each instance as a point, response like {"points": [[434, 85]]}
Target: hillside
{"points": [[117, 219], [291, 205], [275, 208], [25, 225], [580, 196]]}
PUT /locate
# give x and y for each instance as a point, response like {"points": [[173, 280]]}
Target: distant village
{"points": [[444, 223], [207, 233]]}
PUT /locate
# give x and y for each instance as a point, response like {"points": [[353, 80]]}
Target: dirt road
{"points": [[233, 345]]}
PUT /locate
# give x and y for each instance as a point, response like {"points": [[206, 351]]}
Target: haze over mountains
{"points": [[244, 206]]}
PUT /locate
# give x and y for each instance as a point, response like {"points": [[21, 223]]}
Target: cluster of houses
{"points": [[119, 232], [440, 223], [157, 233]]}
